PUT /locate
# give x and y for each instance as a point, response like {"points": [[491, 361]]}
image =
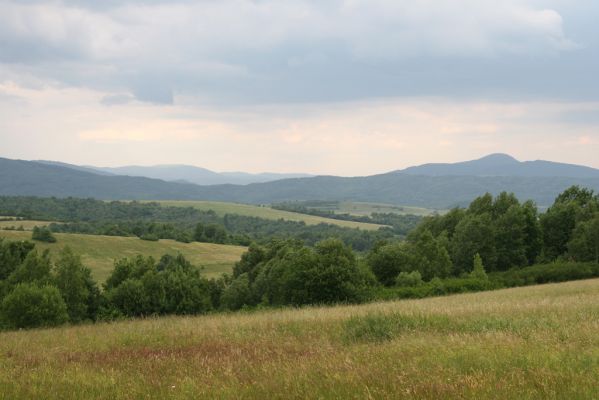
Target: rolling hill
{"points": [[431, 191], [99, 252]]}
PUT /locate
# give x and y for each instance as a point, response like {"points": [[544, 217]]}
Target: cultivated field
{"points": [[222, 208], [99, 252], [536, 342]]}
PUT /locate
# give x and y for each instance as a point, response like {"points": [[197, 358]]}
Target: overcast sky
{"points": [[350, 87]]}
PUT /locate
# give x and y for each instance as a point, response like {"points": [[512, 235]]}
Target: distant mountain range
{"points": [[504, 165], [182, 173], [430, 185]]}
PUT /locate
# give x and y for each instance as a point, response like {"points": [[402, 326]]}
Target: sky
{"points": [[344, 87]]}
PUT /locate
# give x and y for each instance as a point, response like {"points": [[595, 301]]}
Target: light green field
{"points": [[359, 208], [538, 342], [221, 208], [99, 252], [27, 225]]}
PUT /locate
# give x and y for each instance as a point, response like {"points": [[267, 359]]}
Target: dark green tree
{"points": [[32, 306], [12, 254], [76, 285], [584, 245], [386, 262], [42, 234], [474, 234]]}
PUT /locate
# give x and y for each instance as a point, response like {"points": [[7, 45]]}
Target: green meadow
{"points": [[222, 208], [362, 208], [537, 342], [99, 252]]}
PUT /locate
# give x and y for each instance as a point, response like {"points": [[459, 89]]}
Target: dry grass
{"points": [[525, 343], [99, 252]]}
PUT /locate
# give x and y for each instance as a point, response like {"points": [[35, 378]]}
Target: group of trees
{"points": [[34, 291], [502, 232], [141, 286], [37, 292], [285, 272], [42, 234]]}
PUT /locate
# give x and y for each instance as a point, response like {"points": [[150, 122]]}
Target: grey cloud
{"points": [[242, 51]]}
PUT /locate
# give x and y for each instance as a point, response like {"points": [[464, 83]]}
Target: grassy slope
{"points": [[99, 252], [524, 343], [222, 208]]}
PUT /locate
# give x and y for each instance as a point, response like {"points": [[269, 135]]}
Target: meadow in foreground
{"points": [[531, 342]]}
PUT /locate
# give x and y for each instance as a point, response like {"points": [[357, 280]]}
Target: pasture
{"points": [[524, 343], [222, 208], [99, 252], [362, 208]]}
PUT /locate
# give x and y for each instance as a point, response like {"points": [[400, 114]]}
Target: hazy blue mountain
{"points": [[433, 191], [504, 165], [30, 178], [76, 167], [192, 174]]}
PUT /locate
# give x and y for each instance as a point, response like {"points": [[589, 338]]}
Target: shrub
{"points": [[545, 273], [149, 237], [478, 272], [409, 279], [42, 234], [31, 306]]}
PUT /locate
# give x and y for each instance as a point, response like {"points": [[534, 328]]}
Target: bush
{"points": [[42, 234], [31, 306], [546, 273], [409, 279], [478, 272], [149, 237]]}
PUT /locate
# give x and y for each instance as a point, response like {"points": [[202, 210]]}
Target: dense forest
{"points": [[495, 242]]}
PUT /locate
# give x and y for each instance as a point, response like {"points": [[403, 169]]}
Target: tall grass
{"points": [[526, 343]]}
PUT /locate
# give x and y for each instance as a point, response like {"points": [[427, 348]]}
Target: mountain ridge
{"points": [[182, 173], [500, 164], [19, 177]]}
